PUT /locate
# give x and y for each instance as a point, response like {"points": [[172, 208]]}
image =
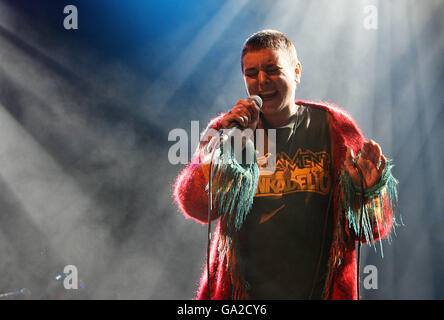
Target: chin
{"points": [[270, 108]]}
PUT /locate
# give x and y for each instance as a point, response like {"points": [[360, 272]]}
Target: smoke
{"points": [[89, 178], [84, 172]]}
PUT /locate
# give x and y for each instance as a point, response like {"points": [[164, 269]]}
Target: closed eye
{"points": [[273, 70], [251, 73]]}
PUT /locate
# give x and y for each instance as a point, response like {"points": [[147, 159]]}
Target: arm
{"points": [[189, 189], [369, 213], [380, 193], [234, 184]]}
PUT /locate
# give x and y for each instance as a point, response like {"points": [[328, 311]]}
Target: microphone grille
{"points": [[258, 100]]}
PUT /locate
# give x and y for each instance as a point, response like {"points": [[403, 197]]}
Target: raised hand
{"points": [[245, 113], [371, 162]]}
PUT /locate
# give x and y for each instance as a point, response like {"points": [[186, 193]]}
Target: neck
{"points": [[282, 117]]}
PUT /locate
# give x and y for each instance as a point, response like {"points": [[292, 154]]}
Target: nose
{"points": [[263, 78]]}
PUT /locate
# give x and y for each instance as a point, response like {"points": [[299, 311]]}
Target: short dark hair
{"points": [[270, 39]]}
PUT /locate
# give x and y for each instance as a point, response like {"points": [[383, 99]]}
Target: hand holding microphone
{"points": [[245, 114]]}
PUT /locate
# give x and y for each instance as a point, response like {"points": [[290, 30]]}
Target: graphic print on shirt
{"points": [[306, 171]]}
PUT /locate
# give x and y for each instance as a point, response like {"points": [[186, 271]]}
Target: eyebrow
{"points": [[266, 66]]}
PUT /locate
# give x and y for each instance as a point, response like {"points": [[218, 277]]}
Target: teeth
{"points": [[267, 94]]}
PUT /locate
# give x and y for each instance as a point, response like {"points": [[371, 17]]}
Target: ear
{"points": [[298, 71]]}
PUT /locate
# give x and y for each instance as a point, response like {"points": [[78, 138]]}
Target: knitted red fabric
{"points": [[192, 200]]}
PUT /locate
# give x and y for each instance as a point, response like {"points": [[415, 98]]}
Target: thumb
{"points": [[349, 155]]}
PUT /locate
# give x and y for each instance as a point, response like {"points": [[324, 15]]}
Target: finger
{"points": [[349, 157], [231, 120], [239, 120], [368, 170], [253, 101], [250, 107], [349, 166], [364, 148], [245, 117], [246, 113], [225, 121], [362, 164], [375, 152], [383, 163], [243, 110], [243, 103], [371, 152], [254, 110], [366, 151], [239, 111], [253, 104], [239, 115]]}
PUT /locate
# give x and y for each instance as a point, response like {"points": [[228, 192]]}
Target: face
{"points": [[269, 74]]}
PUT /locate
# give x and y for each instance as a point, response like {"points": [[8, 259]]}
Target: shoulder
{"points": [[340, 119], [337, 113]]}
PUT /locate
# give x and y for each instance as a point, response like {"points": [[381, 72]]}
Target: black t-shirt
{"points": [[281, 239]]}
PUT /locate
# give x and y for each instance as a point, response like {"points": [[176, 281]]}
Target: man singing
{"points": [[289, 234]]}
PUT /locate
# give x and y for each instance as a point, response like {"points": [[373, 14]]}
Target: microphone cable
{"points": [[259, 103], [360, 225], [210, 208]]}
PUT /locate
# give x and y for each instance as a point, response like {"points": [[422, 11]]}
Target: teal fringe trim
{"points": [[234, 187], [385, 193]]}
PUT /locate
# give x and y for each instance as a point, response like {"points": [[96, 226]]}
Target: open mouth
{"points": [[268, 95]]}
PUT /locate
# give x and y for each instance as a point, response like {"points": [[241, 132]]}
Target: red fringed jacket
{"points": [[192, 200]]}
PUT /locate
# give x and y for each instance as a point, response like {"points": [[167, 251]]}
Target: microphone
{"points": [[258, 101], [215, 141]]}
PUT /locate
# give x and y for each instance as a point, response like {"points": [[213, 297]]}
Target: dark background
{"points": [[85, 115]]}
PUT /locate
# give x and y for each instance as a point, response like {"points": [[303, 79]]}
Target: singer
{"points": [[290, 234]]}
